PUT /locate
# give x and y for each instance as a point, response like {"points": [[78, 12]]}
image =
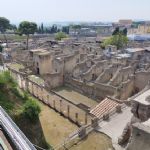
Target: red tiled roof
{"points": [[105, 106]]}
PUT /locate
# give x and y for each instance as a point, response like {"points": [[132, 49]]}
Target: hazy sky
{"points": [[74, 10]]}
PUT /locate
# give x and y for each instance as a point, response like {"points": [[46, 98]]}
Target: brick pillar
{"points": [[94, 122], [60, 105], [82, 132], [26, 84], [21, 82], [118, 109], [68, 111], [41, 93], [32, 89], [37, 90], [86, 115], [54, 104], [76, 117], [49, 100]]}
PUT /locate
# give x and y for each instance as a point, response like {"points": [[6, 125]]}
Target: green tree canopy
{"points": [[27, 28], [116, 31], [60, 35], [1, 48], [118, 40], [31, 110], [65, 29], [125, 31], [4, 25], [76, 26]]}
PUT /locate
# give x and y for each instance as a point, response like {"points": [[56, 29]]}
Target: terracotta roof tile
{"points": [[105, 106]]}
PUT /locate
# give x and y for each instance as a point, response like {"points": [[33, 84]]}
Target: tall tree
{"points": [[4, 25], [42, 28], [119, 40], [65, 29], [116, 31], [13, 27], [27, 28], [54, 29], [125, 31]]}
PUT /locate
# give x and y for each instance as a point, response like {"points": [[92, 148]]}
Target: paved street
{"points": [[114, 127]]}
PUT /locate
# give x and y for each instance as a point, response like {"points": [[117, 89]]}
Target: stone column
{"points": [[82, 132], [76, 117], [86, 117], [118, 109], [68, 111], [41, 93], [94, 122], [49, 100], [37, 89], [21, 78], [54, 104], [60, 105], [32, 89], [106, 116], [26, 84]]}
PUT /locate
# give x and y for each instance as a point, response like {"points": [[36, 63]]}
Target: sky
{"points": [[74, 10]]}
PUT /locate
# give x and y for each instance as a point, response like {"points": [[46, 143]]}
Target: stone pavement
{"points": [[114, 127]]}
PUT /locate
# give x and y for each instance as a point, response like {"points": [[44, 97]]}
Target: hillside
{"points": [[13, 100]]}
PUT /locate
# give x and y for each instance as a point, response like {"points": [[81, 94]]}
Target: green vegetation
{"points": [[118, 38], [60, 35], [76, 27], [65, 29], [22, 108], [24, 103], [31, 110], [4, 25], [17, 66], [36, 79], [13, 37], [1, 48], [47, 29], [27, 28]]}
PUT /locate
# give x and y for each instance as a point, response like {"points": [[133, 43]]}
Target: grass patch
{"points": [[13, 37], [17, 66], [36, 79]]}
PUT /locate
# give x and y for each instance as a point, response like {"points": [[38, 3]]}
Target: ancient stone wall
{"points": [[121, 76], [70, 62], [107, 74], [53, 100], [53, 80], [140, 137], [127, 89], [95, 90], [44, 63], [141, 79]]}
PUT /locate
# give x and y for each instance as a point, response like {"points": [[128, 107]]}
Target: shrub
{"points": [[31, 110], [60, 35], [1, 48], [5, 78]]}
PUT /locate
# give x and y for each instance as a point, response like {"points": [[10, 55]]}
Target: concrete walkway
{"points": [[114, 127]]}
